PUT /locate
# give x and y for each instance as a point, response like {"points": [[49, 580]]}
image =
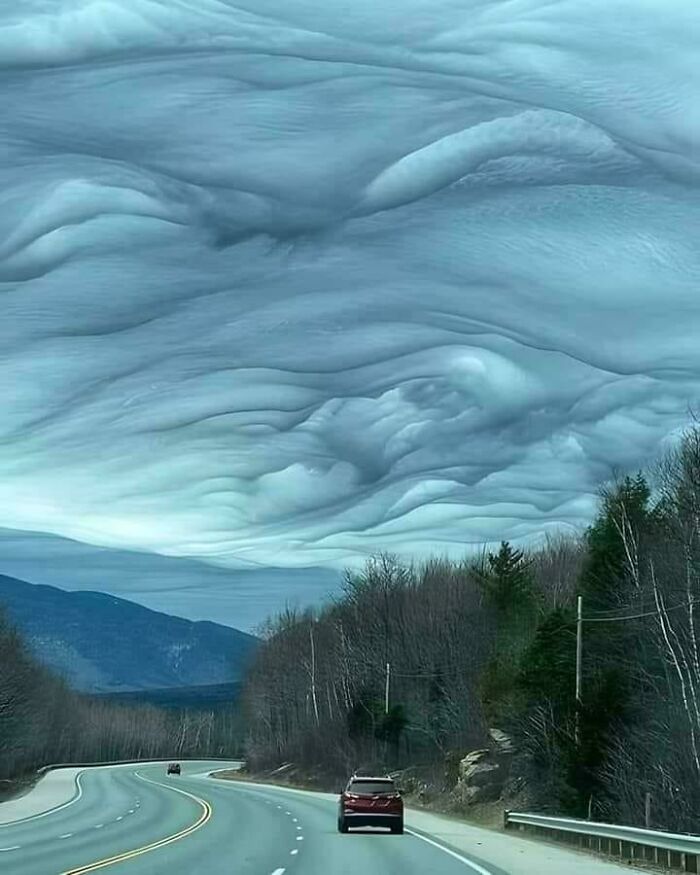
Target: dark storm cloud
{"points": [[290, 282]]}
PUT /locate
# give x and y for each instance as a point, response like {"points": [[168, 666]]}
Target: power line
{"points": [[653, 613]]}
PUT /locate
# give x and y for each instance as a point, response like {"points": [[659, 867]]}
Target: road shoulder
{"points": [[55, 790]]}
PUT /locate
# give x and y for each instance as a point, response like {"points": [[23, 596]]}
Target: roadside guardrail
{"points": [[180, 759], [673, 850]]}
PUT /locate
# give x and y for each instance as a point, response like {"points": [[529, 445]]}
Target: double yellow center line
{"points": [[161, 843]]}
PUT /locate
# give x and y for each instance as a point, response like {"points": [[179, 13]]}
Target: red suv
{"points": [[370, 802]]}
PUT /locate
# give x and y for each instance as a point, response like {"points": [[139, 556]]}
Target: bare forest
{"points": [[413, 663], [42, 722]]}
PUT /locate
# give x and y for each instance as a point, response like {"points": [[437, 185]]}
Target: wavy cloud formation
{"points": [[287, 282]]}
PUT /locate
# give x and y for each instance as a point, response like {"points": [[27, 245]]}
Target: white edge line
{"points": [[474, 866], [253, 785], [13, 848], [50, 810]]}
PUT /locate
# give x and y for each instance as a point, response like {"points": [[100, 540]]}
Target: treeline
{"points": [[405, 666], [634, 738], [43, 721], [491, 641]]}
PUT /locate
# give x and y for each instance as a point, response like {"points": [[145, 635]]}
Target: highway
{"points": [[135, 819]]}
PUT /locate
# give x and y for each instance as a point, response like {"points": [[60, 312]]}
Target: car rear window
{"points": [[371, 788]]}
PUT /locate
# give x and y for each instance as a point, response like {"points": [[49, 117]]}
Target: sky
{"points": [[285, 283], [242, 597]]}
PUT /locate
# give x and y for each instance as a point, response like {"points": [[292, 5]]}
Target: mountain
{"points": [[103, 644]]}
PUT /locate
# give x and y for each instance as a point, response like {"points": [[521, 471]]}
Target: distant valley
{"points": [[207, 697], [103, 644]]}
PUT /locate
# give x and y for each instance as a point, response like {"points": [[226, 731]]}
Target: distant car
{"points": [[368, 801], [173, 768]]}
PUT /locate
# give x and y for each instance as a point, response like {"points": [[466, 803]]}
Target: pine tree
{"points": [[508, 581], [624, 513]]}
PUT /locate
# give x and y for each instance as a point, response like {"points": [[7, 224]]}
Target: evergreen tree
{"points": [[548, 665], [607, 584], [508, 586], [508, 581], [624, 514]]}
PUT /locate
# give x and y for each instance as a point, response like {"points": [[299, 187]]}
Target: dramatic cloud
{"points": [[287, 281]]}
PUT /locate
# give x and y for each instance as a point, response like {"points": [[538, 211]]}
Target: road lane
{"points": [[472, 847], [117, 812], [257, 831], [193, 823], [324, 851], [244, 836]]}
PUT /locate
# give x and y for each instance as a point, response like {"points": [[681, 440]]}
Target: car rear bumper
{"points": [[354, 819]]}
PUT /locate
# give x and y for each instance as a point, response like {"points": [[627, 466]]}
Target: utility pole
{"points": [[579, 657], [386, 688], [313, 671]]}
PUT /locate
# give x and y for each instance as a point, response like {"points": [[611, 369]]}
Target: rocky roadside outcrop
{"points": [[483, 775]]}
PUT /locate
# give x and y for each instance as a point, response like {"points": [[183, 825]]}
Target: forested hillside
{"points": [[43, 721], [491, 642], [100, 643]]}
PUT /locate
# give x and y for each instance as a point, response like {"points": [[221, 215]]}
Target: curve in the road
{"points": [[160, 843], [133, 821]]}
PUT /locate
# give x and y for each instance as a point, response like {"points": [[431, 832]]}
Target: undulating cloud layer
{"points": [[286, 281]]}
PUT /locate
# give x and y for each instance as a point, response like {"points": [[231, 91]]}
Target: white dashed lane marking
{"points": [[295, 851], [66, 835], [300, 838], [278, 872], [13, 848]]}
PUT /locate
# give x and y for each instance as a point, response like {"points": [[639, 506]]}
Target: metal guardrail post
{"points": [[673, 850]]}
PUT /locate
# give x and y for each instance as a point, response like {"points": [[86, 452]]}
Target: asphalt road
{"points": [[136, 820]]}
